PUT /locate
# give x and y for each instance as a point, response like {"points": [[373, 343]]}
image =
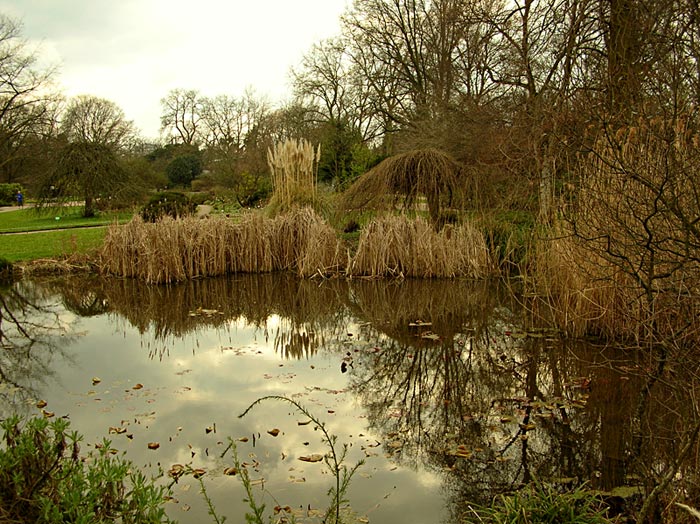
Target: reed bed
{"points": [[584, 293], [173, 250], [395, 246]]}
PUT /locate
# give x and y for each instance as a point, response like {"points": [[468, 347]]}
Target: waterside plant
{"points": [[299, 241], [44, 478]]}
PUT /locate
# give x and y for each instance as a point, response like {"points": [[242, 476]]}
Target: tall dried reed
{"points": [[399, 246], [625, 263], [293, 168], [175, 250]]}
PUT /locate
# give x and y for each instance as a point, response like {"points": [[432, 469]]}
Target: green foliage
{"points": [[51, 244], [8, 192], [182, 170], [541, 503], [45, 480], [168, 203], [84, 170]]}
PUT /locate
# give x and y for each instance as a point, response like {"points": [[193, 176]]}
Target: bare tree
{"points": [[99, 121], [181, 116], [27, 104]]}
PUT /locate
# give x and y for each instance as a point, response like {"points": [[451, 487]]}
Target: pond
{"points": [[449, 391]]}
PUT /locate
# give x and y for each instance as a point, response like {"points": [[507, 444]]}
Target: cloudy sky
{"points": [[134, 52]]}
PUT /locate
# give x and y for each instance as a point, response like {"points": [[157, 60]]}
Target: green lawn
{"points": [[50, 244], [28, 219], [79, 237]]}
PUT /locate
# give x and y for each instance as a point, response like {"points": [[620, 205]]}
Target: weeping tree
{"points": [[400, 180], [84, 170]]}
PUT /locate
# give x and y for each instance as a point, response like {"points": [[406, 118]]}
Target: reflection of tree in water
{"points": [[304, 311], [32, 334], [496, 406], [450, 378]]}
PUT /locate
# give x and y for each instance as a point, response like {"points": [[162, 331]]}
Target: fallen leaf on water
{"points": [[41, 404], [199, 472], [153, 445], [48, 414], [274, 432], [117, 431], [303, 422], [176, 471], [210, 429], [230, 471], [312, 458], [243, 439], [186, 507], [138, 386], [96, 380]]}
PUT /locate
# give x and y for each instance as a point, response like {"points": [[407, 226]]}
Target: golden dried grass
{"points": [[293, 167], [173, 250], [395, 246]]}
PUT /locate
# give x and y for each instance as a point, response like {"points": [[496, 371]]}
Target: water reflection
{"points": [[32, 335], [451, 375]]}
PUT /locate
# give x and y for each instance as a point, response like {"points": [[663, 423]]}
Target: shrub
{"points": [[44, 479], [169, 203], [8, 192], [541, 502], [182, 170]]}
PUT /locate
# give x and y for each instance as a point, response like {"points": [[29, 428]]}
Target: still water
{"points": [[446, 390]]}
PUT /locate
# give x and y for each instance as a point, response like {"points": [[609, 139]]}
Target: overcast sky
{"points": [[134, 52]]}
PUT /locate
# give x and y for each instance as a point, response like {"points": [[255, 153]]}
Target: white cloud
{"points": [[134, 51]]}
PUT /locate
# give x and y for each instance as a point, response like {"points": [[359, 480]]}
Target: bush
{"points": [[168, 203], [541, 502], [182, 170], [8, 192], [44, 479]]}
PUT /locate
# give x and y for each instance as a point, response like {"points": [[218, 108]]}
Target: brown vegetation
{"points": [[176, 250], [401, 179], [397, 246], [293, 166], [301, 242]]}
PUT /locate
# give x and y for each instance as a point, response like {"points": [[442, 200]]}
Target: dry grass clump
{"points": [[402, 179], [396, 246], [306, 244], [583, 293], [175, 250], [293, 168]]}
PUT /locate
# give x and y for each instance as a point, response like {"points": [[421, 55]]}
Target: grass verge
{"points": [[28, 219], [50, 244]]}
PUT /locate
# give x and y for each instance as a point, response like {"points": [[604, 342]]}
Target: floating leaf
{"points": [[48, 414], [199, 472], [303, 422], [243, 439], [176, 471], [96, 380], [274, 432], [231, 471], [117, 431], [153, 445], [311, 458], [211, 428], [41, 404], [138, 386]]}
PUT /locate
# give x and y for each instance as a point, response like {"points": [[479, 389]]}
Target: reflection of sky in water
{"points": [[210, 377]]}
